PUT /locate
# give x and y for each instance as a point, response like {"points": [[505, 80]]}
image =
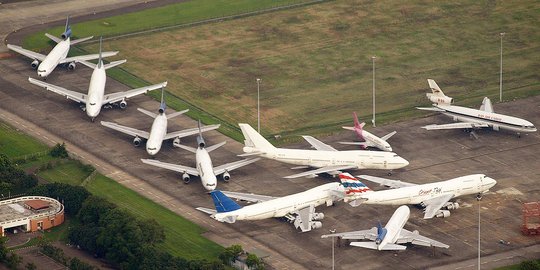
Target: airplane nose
{"points": [[405, 162]]}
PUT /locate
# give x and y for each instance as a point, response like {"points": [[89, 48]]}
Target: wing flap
{"points": [[459, 125], [27, 53], [116, 97], [87, 57], [370, 234], [435, 204], [386, 182], [172, 167], [76, 96], [248, 197]]}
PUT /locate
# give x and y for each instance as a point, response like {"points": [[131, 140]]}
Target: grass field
{"points": [[182, 236], [16, 144], [315, 61], [68, 172]]}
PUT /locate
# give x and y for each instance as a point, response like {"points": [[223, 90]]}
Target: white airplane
{"points": [[369, 139], [391, 236], [298, 208], [326, 158], [58, 54], [205, 170], [468, 118], [95, 99], [158, 131], [433, 197]]}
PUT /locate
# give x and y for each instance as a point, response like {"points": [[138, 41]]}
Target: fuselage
{"points": [[157, 133], [360, 158], [282, 206], [394, 225], [205, 169], [57, 54], [96, 92], [494, 120], [470, 184], [368, 137]]}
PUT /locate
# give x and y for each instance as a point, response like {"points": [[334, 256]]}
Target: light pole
{"points": [[478, 198], [373, 61], [501, 72], [333, 231], [258, 107]]}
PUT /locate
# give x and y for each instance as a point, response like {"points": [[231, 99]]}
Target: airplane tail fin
{"points": [[200, 139], [100, 59], [162, 105], [357, 124], [67, 30], [437, 95], [486, 105], [352, 185], [223, 203], [253, 139]]}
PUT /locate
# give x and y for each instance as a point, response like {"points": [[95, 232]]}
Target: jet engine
{"points": [[122, 104], [35, 64], [186, 178], [439, 99], [316, 225], [176, 142], [318, 216], [72, 66], [496, 127], [137, 141], [451, 206], [226, 176], [200, 141], [66, 34], [443, 214]]}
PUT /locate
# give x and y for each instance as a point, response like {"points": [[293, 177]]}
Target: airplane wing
{"points": [[415, 238], [233, 165], [116, 97], [434, 205], [304, 217], [323, 170], [189, 132], [248, 197], [459, 125], [172, 167], [87, 57], [207, 210], [387, 136], [318, 144], [127, 130], [76, 96], [27, 53], [370, 234], [386, 182]]}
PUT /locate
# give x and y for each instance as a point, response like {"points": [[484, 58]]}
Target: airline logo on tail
{"points": [[352, 185], [358, 126]]}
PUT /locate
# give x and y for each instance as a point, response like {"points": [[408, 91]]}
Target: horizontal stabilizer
{"points": [[215, 146], [73, 42], [88, 64], [349, 128], [149, 113], [175, 114], [53, 38], [114, 64], [370, 245], [206, 210], [251, 154], [187, 148], [434, 109]]}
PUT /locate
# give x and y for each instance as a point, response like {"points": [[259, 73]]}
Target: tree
{"points": [[253, 262], [72, 196], [59, 150], [93, 208], [13, 260], [229, 254], [30, 266], [529, 265], [152, 232], [76, 264], [3, 249]]}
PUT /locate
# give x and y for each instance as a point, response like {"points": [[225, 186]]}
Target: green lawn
{"points": [[16, 144], [182, 236], [68, 172]]}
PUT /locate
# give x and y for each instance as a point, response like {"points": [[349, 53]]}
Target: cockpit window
{"points": [[152, 148], [93, 104]]}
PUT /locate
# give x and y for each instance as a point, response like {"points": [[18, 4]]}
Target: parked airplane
{"points": [[369, 139], [391, 236], [205, 170], [326, 158], [95, 99], [298, 208], [58, 54], [471, 118], [434, 197], [158, 131]]}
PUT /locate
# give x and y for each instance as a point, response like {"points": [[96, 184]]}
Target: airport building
{"points": [[30, 214]]}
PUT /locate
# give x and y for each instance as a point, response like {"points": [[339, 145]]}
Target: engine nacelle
{"points": [[176, 142], [496, 127], [137, 141], [66, 34], [318, 216], [440, 99], [72, 66], [123, 104], [316, 225], [200, 141], [451, 206], [35, 64], [443, 214], [186, 178], [226, 176]]}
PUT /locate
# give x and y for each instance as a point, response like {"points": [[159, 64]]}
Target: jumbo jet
{"points": [[391, 236], [369, 139], [298, 208], [468, 118], [96, 99], [433, 197], [58, 54], [158, 131], [204, 169], [326, 158]]}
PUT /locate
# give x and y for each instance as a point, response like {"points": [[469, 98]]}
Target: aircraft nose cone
{"points": [[405, 162]]}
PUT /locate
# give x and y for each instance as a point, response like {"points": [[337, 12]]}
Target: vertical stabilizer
{"points": [[352, 185], [100, 60], [437, 96], [253, 139], [162, 105], [223, 203], [486, 105], [357, 123], [67, 30], [200, 139]]}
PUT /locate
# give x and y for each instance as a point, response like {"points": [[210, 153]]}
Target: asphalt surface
{"points": [[434, 156]]}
